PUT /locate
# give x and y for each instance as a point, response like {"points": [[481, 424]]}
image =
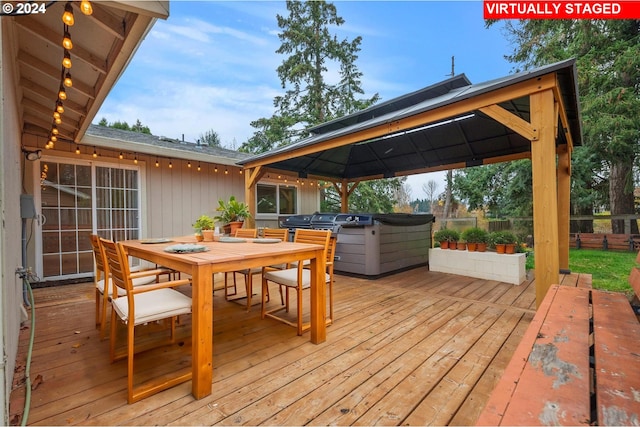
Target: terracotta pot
{"points": [[444, 244], [482, 247], [472, 246], [462, 246], [199, 237], [207, 235], [234, 226], [510, 248], [500, 248]]}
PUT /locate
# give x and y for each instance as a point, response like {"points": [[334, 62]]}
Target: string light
{"points": [[66, 40], [67, 80], [62, 94], [135, 159], [56, 114], [189, 165], [66, 59], [157, 163], [95, 153], [121, 156], [57, 121], [85, 7], [215, 168], [170, 164], [54, 130], [59, 107], [198, 166], [226, 172], [77, 149], [67, 16]]}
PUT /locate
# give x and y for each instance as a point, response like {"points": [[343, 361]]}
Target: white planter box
{"points": [[483, 265]]}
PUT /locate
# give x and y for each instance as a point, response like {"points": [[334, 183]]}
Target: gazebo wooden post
{"points": [[564, 207], [344, 197], [545, 193], [251, 178]]}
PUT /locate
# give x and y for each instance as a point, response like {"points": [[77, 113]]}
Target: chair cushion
{"points": [[139, 281], [154, 305], [289, 277]]}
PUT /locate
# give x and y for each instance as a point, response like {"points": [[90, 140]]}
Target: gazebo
{"points": [[451, 125]]}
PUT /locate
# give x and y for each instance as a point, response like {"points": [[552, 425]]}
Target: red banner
{"points": [[501, 9]]}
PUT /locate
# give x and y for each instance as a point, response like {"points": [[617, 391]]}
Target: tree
{"points": [[312, 55], [210, 138], [137, 127], [430, 188], [606, 53]]}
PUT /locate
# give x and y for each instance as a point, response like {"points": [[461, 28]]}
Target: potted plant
{"points": [[232, 214], [204, 228], [476, 239], [446, 237], [504, 241]]}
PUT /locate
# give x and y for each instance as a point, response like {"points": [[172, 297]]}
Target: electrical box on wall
{"points": [[27, 206]]}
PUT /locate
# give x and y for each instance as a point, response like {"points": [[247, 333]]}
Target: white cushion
{"points": [[289, 277], [136, 282], [154, 305]]}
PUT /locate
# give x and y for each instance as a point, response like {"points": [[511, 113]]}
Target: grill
{"points": [[325, 221]]}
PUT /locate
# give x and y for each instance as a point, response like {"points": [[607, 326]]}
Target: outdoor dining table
{"points": [[229, 256]]}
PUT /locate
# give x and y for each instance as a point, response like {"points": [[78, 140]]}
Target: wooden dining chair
{"points": [[242, 233], [104, 287], [297, 278], [141, 305], [267, 233]]}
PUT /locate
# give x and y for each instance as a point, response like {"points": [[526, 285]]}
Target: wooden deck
{"points": [[414, 348]]}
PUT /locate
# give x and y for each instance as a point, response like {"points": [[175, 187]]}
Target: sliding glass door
{"points": [[78, 199]]}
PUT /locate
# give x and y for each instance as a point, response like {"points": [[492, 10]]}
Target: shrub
{"points": [[446, 234], [475, 235]]}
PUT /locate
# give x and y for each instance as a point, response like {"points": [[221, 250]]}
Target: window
{"points": [[276, 199]]}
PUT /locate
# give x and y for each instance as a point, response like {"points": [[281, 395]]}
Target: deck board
{"points": [[414, 348]]}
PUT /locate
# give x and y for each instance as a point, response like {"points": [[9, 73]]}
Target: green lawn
{"points": [[609, 269]]}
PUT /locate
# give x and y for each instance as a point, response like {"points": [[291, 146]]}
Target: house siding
{"points": [[10, 227]]}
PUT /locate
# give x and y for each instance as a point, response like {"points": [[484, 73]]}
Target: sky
{"points": [[212, 64]]}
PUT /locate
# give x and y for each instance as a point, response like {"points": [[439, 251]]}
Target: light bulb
{"points": [[77, 149], [85, 7], [170, 165], [135, 159], [157, 163], [67, 16], [121, 156], [189, 164], [62, 94], [56, 115], [95, 153], [57, 121], [53, 138], [67, 80], [54, 130], [66, 61], [59, 107], [66, 41]]}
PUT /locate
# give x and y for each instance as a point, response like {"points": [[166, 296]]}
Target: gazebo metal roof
{"points": [[469, 138]]}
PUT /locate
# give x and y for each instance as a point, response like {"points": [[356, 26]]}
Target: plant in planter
{"points": [[203, 228], [232, 214], [504, 241], [446, 237], [476, 239]]}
